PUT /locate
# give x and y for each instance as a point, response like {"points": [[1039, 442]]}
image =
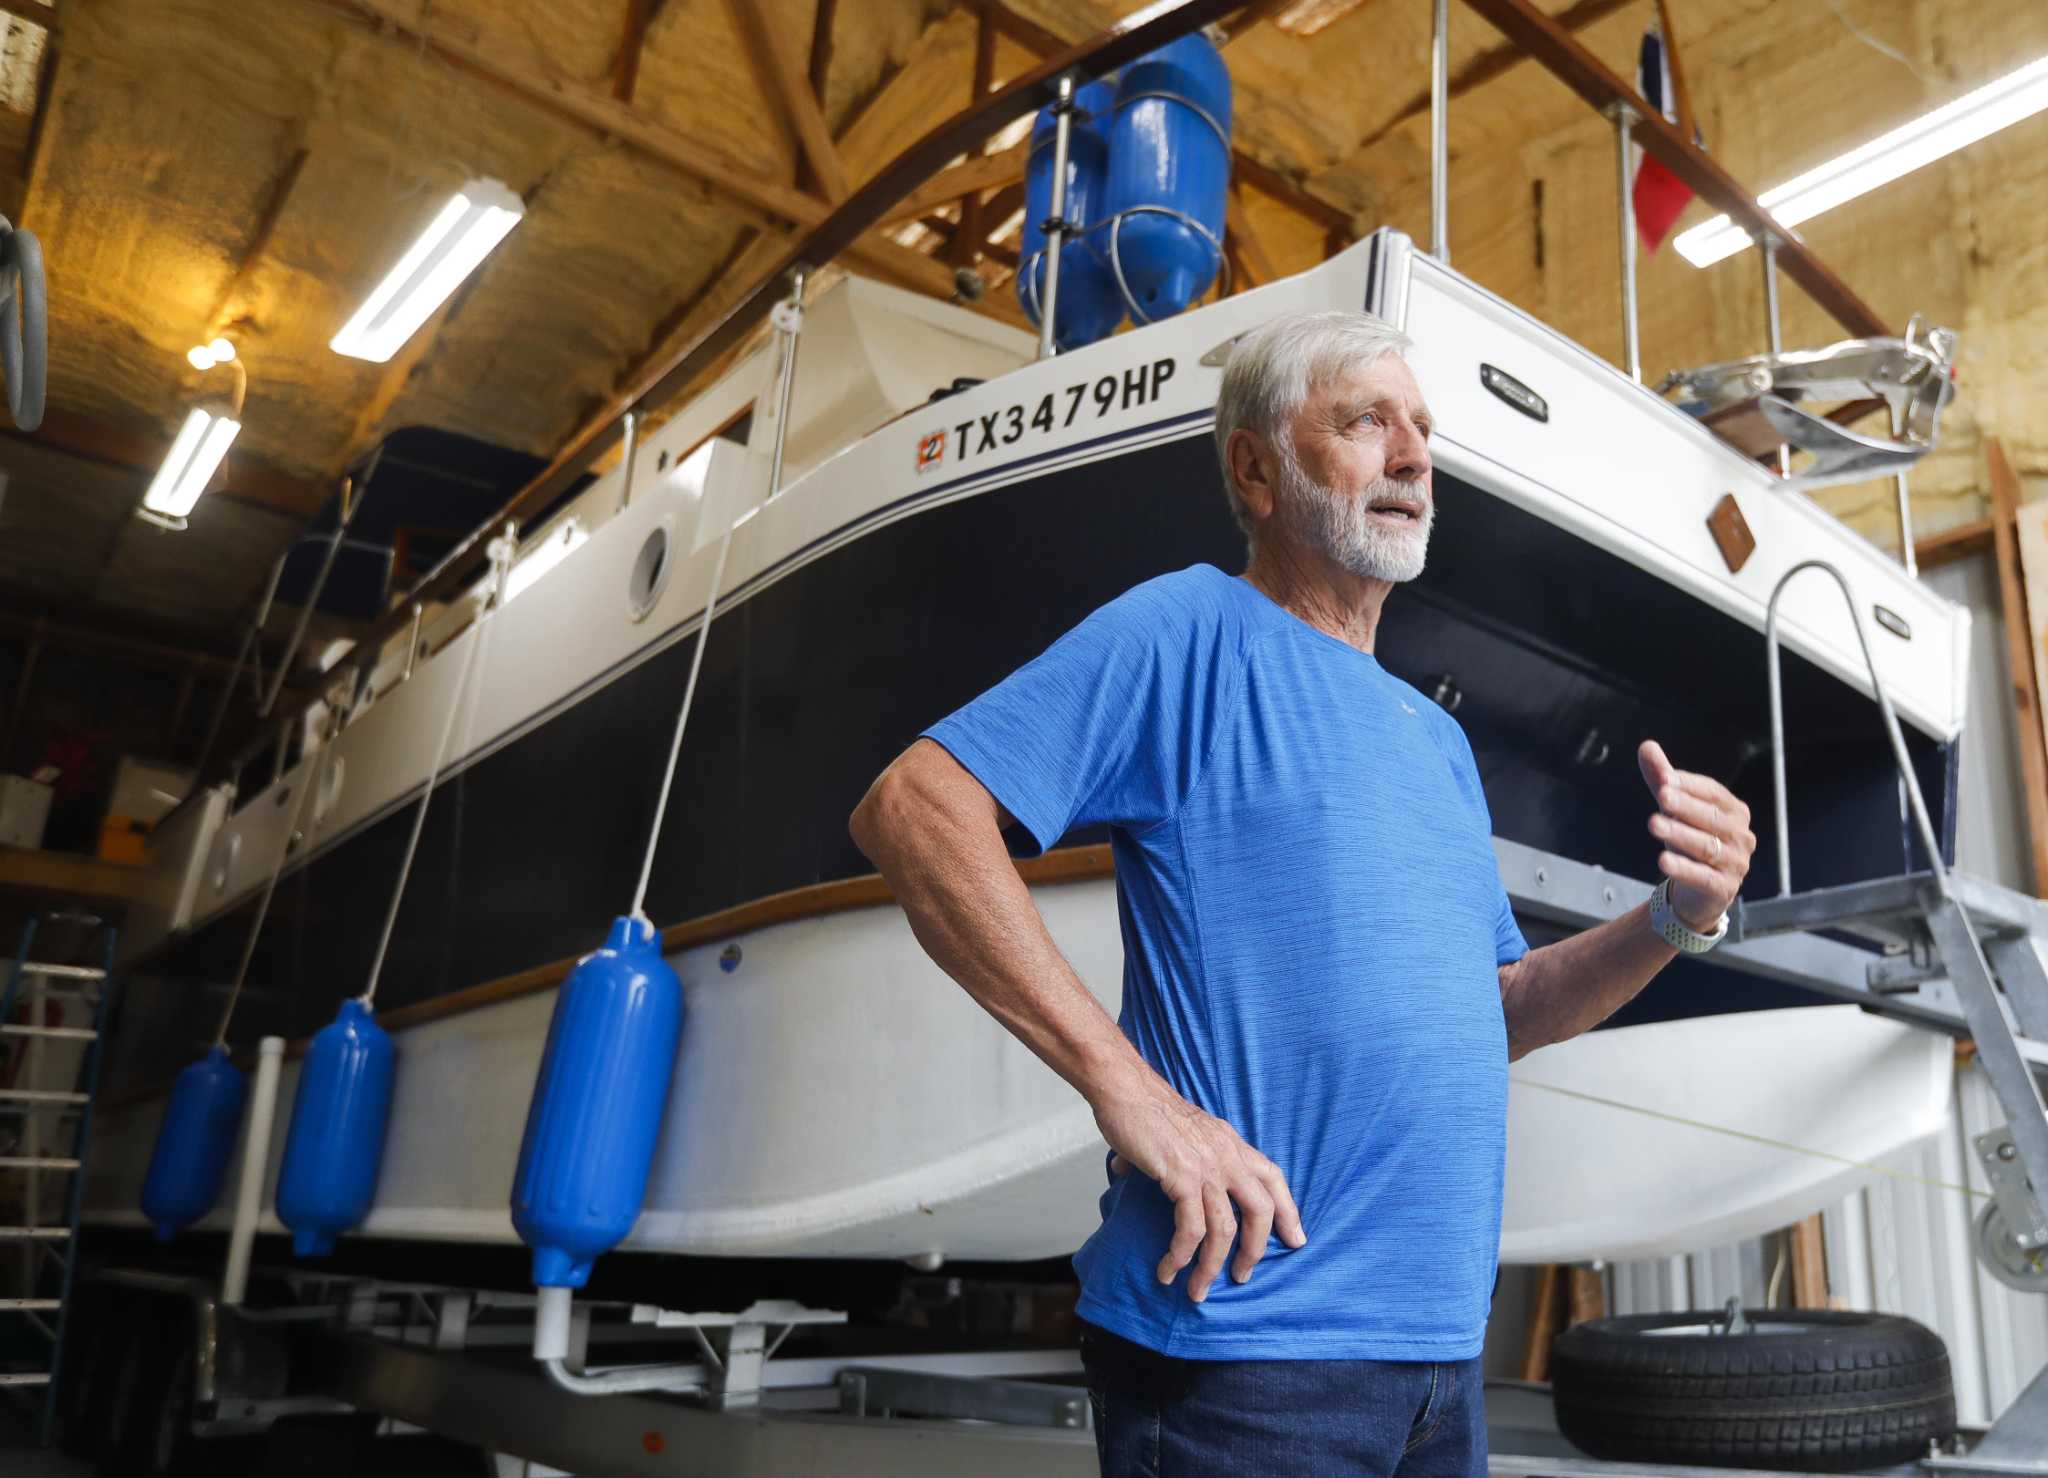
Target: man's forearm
{"points": [[1554, 993], [973, 915]]}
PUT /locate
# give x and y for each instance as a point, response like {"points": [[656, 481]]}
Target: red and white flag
{"points": [[1659, 194]]}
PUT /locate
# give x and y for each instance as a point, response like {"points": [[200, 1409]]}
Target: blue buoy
{"points": [[193, 1143], [597, 1105], [1169, 177], [339, 1118], [1088, 308]]}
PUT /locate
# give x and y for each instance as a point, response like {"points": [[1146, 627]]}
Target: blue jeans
{"points": [[1158, 1416]]}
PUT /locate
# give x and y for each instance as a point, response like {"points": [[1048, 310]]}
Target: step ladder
{"points": [[1963, 956], [44, 1130]]}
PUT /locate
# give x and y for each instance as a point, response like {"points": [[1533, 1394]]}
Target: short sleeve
{"points": [[1112, 722], [1508, 943]]}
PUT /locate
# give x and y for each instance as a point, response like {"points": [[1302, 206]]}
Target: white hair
{"points": [[1272, 369]]}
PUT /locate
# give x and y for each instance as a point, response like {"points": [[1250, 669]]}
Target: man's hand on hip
{"points": [[1205, 1168], [1706, 837]]}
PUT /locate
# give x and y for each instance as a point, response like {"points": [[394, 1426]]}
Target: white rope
{"points": [[675, 747], [284, 852], [1763, 1139], [500, 559]]}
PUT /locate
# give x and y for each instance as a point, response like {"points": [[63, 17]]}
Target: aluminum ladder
{"points": [[30, 1109], [1962, 956]]}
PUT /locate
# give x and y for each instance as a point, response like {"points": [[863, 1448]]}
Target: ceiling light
{"points": [[200, 356], [1974, 115], [223, 352], [189, 465], [461, 236]]}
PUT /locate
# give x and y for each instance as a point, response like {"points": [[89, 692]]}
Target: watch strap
{"points": [[1674, 931]]}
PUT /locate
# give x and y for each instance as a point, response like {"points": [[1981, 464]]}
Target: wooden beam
{"points": [[967, 242], [1588, 1294], [1270, 182], [1250, 248], [259, 243], [1952, 544], [1546, 1319], [820, 67], [791, 89], [32, 12], [38, 131], [1809, 1264], [977, 173], [2019, 657], [1251, 18], [761, 202], [1585, 74], [80, 634], [1493, 63], [632, 40], [733, 182], [71, 877]]}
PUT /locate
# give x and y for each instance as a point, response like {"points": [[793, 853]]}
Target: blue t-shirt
{"points": [[1313, 922]]}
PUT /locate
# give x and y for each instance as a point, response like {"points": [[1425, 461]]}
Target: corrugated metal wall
{"points": [[1906, 1245]]}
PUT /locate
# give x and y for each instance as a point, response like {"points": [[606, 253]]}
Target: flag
{"points": [[1658, 193]]}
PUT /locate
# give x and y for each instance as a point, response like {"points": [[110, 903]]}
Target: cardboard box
{"points": [[24, 810]]}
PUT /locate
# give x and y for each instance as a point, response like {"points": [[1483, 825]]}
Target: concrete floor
{"points": [[20, 1457]]}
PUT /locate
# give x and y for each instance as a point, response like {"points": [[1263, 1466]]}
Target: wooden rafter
{"points": [[29, 10], [790, 89], [1256, 262], [632, 40], [979, 172], [1585, 74], [1251, 18], [967, 241], [759, 201], [820, 66], [2019, 651], [259, 242]]}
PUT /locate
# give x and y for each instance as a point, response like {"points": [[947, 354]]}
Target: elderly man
{"points": [[1323, 981]]}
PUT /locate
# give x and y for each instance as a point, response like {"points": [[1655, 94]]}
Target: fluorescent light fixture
{"points": [[1974, 115], [558, 546], [461, 236], [202, 441], [206, 356], [222, 351]]}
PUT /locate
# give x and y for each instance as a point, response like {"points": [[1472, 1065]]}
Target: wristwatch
{"points": [[1675, 932]]}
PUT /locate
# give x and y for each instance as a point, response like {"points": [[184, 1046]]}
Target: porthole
{"points": [[226, 851], [650, 572]]}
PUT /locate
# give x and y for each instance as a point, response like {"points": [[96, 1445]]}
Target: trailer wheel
{"points": [[1816, 1390], [147, 1431], [111, 1404]]}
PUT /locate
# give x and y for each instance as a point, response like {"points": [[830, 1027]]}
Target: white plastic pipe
{"points": [[255, 1164], [551, 1323]]}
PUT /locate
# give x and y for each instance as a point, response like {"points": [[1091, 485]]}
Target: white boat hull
{"points": [[838, 1097]]}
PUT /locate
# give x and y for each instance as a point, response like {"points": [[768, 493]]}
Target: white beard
{"points": [[1345, 529]]}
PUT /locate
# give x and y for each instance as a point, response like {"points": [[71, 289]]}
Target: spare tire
{"points": [[1815, 1390]]}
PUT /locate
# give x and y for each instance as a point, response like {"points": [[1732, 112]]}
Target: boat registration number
{"points": [[1056, 410]]}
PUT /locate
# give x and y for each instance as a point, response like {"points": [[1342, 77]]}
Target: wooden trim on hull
{"points": [[794, 905]]}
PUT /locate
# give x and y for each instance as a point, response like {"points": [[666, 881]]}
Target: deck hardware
{"points": [[788, 318], [1892, 621], [1517, 395], [729, 958], [1631, 340], [1440, 133], [1056, 223], [1446, 693]]}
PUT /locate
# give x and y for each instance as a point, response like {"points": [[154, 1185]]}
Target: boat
{"points": [[949, 505]]}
